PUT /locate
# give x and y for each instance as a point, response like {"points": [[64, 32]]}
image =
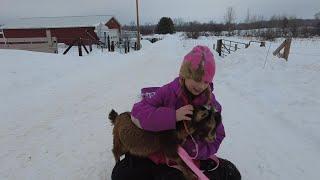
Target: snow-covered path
{"points": [[53, 109]]}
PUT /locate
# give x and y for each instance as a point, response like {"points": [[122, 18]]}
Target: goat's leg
{"points": [[117, 149]]}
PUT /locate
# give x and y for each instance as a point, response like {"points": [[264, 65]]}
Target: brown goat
{"points": [[128, 138]]}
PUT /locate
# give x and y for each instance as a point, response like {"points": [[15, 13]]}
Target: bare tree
{"points": [[230, 18], [248, 17], [230, 15], [318, 28], [285, 25], [178, 21], [133, 26], [317, 15]]}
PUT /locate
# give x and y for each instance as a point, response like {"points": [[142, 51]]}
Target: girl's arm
{"points": [[149, 114]]}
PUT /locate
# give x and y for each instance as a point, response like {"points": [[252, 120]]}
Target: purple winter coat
{"points": [[158, 113]]}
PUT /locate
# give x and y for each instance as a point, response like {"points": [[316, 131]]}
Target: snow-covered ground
{"points": [[53, 108]]}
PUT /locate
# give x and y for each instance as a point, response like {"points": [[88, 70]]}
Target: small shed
{"points": [[66, 29]]}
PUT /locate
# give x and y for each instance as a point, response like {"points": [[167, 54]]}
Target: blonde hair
{"points": [[187, 72], [207, 91]]}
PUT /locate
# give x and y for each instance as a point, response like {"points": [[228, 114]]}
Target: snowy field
{"points": [[53, 108]]}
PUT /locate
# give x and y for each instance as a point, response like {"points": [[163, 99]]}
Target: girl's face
{"points": [[195, 87]]}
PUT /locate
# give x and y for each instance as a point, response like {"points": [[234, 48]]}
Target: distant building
{"points": [[67, 29]]}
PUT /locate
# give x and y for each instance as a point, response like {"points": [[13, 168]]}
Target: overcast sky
{"points": [[152, 10]]}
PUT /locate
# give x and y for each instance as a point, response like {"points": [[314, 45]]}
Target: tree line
{"points": [[257, 26]]}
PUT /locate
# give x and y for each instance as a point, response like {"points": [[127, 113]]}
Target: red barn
{"points": [[66, 29]]}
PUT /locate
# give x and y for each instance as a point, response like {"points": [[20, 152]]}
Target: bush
{"points": [[318, 28], [269, 35], [192, 35], [165, 26]]}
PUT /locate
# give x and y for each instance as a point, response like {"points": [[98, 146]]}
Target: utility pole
{"points": [[138, 26]]}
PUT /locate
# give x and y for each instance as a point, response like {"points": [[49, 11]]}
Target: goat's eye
{"points": [[204, 115]]}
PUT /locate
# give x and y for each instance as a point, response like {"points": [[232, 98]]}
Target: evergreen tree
{"points": [[165, 26]]}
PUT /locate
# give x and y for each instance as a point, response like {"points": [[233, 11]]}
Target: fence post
{"points": [[128, 46], [112, 46], [90, 46], [287, 49], [79, 47], [105, 38], [109, 43], [125, 47], [286, 46], [219, 46]]}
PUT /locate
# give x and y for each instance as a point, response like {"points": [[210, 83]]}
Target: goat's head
{"points": [[205, 120]]}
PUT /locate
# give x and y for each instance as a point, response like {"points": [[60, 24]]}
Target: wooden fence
{"points": [[225, 47], [285, 46]]}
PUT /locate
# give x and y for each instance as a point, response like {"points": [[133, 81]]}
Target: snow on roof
{"points": [[57, 22]]}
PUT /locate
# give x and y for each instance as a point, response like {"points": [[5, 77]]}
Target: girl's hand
{"points": [[183, 112]]}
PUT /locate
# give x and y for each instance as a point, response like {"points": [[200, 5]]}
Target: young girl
{"points": [[171, 103]]}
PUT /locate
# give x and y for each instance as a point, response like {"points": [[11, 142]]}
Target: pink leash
{"points": [[188, 160]]}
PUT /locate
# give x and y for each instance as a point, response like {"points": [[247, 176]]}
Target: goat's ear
{"points": [[217, 117], [213, 109]]}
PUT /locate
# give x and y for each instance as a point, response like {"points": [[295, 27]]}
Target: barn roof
{"points": [[57, 22]]}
